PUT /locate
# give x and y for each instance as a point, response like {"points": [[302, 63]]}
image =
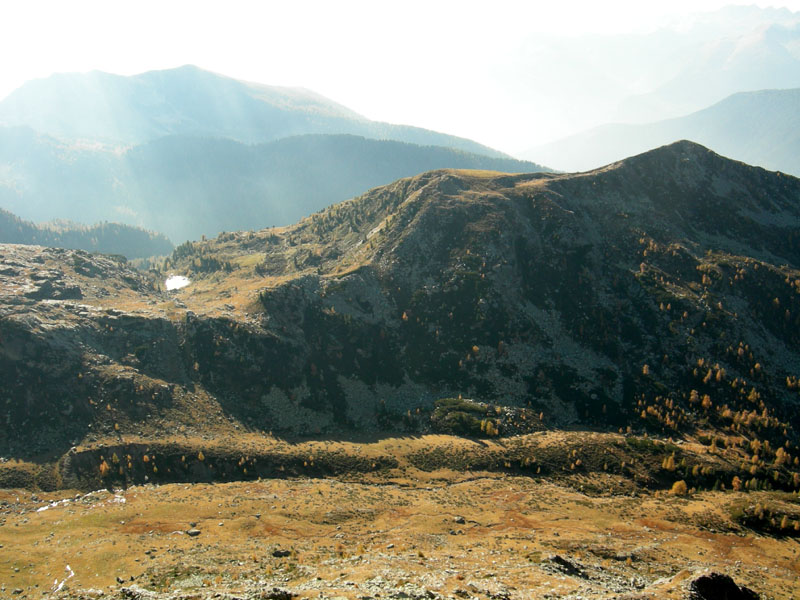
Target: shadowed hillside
{"points": [[659, 293]]}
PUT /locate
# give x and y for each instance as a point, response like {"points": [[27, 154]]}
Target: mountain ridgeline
{"points": [[661, 293]]}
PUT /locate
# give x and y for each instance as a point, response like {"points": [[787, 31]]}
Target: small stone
{"points": [[277, 594], [280, 553], [193, 532], [460, 520]]}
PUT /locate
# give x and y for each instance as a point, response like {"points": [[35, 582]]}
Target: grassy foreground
{"points": [[422, 528]]}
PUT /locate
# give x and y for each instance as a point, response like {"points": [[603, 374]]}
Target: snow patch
{"points": [[70, 574], [176, 282]]}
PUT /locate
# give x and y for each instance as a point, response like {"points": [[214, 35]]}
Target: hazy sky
{"points": [[416, 62]]}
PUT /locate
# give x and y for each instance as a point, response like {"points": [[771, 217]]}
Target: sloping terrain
{"points": [[761, 128], [187, 187], [660, 294], [554, 290]]}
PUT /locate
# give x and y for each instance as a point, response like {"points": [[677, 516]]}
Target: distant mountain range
{"points": [[763, 57], [760, 128], [191, 153], [574, 83], [108, 238], [190, 101], [187, 187]]}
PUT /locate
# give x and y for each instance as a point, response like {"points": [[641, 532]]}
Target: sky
{"points": [[425, 63]]}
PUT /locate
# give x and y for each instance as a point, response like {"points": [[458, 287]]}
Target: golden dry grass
{"points": [[443, 530]]}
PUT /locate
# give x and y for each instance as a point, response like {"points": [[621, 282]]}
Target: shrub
{"points": [[679, 488], [461, 417]]}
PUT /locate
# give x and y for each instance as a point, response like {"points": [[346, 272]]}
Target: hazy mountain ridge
{"points": [[187, 187], [190, 101], [763, 58], [585, 81], [760, 128], [600, 299], [108, 238]]}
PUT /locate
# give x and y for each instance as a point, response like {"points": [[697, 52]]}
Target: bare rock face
{"points": [[54, 289], [717, 586]]}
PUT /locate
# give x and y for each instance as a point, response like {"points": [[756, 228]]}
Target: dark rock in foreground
{"points": [[716, 586]]}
